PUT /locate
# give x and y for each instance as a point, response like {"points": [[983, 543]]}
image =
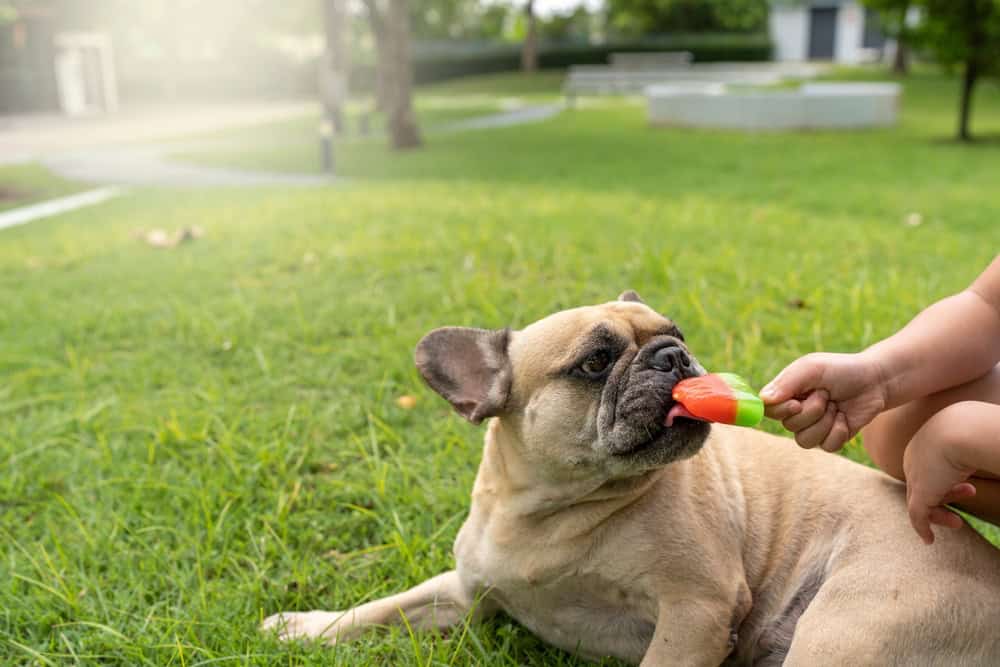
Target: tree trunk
{"points": [[334, 66], [397, 64], [377, 23], [901, 59], [965, 108], [529, 50]]}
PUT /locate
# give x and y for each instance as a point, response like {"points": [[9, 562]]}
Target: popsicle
{"points": [[717, 397]]}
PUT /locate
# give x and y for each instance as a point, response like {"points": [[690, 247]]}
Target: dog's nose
{"points": [[669, 358]]}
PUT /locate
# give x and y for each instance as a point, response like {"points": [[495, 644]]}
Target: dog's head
{"points": [[586, 390]]}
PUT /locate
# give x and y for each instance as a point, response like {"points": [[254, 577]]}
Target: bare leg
{"points": [[887, 437], [440, 602]]}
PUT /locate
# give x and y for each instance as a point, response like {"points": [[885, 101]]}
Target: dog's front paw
{"points": [[292, 625]]}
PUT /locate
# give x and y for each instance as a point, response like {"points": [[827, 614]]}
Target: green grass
{"points": [[543, 85], [21, 185], [194, 438], [616, 132], [293, 145]]}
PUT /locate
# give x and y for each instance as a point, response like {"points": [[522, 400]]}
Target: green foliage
{"points": [[456, 19], [645, 17], [8, 13], [436, 62], [893, 15], [962, 31], [571, 26]]}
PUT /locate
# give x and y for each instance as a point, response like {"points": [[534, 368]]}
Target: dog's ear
{"points": [[630, 295], [468, 367]]}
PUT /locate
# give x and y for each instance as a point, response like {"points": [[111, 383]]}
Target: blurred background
{"points": [[160, 50]]}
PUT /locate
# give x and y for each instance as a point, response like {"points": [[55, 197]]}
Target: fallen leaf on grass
{"points": [[160, 238]]}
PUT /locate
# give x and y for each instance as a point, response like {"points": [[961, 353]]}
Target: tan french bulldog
{"points": [[607, 532]]}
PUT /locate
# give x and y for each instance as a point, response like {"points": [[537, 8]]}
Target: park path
{"points": [[128, 148], [150, 165], [33, 137], [518, 116]]}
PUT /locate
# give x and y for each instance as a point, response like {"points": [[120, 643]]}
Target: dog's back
{"points": [[837, 570]]}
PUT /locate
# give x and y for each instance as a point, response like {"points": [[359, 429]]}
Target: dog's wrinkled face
{"points": [[586, 390]]}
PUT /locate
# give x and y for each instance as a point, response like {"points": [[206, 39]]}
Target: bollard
{"points": [[326, 145]]}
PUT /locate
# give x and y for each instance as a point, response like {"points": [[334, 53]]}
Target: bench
{"points": [[607, 80], [650, 59]]}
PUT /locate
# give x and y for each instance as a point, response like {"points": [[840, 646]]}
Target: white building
{"points": [[842, 31]]}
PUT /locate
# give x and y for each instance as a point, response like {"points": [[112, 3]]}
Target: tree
{"points": [[643, 17], [529, 50], [334, 66], [390, 23], [567, 27], [965, 33], [456, 19], [893, 23]]}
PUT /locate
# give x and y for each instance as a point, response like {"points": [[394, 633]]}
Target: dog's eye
{"points": [[596, 363]]}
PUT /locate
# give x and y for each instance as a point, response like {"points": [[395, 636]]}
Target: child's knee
{"points": [[952, 425]]}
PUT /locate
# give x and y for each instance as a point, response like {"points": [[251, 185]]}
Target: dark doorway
{"points": [[822, 32]]}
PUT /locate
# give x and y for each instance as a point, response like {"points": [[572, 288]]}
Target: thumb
{"points": [[798, 378]]}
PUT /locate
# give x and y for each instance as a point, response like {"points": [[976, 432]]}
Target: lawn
{"points": [[21, 185], [293, 145], [194, 438]]}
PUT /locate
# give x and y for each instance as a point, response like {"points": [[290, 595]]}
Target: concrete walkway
{"points": [[123, 149], [34, 137], [47, 209], [149, 165], [521, 116]]}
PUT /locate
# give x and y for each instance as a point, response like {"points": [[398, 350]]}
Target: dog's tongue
{"points": [[679, 411]]}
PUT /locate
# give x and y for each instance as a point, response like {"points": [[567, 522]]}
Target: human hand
{"points": [[933, 480], [825, 398]]}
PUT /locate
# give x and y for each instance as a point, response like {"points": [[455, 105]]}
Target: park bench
{"points": [[626, 73], [650, 59], [607, 80]]}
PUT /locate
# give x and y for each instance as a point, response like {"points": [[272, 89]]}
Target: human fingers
{"points": [[796, 379], [958, 493], [782, 411], [838, 435], [941, 516], [813, 409], [919, 512], [816, 434]]}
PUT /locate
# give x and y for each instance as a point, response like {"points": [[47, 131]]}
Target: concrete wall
{"points": [[789, 28], [812, 106], [850, 33]]}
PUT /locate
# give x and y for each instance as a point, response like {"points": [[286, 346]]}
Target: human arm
{"points": [[825, 399]]}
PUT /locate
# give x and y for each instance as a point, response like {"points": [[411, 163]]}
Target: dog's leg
{"points": [[693, 634], [440, 602]]}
